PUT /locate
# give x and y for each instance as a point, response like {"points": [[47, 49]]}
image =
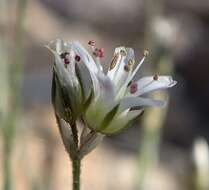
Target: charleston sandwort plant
{"points": [[104, 103]]}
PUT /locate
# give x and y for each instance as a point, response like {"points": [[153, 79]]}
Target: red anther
{"points": [[98, 52], [133, 87], [155, 77], [91, 43], [63, 55], [77, 58], [66, 61], [127, 68]]}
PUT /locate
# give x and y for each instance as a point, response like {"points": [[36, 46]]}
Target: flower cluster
{"points": [[103, 103], [106, 103]]}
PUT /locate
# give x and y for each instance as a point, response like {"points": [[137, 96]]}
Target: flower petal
{"points": [[121, 67], [130, 102], [68, 82], [90, 64], [125, 69], [65, 76], [115, 63], [85, 57], [107, 91], [149, 84], [57, 45], [121, 122], [84, 78]]}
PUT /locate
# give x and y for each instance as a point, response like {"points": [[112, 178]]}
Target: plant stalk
{"points": [[15, 72], [7, 170], [76, 164]]}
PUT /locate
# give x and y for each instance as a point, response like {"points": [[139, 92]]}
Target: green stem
{"points": [[15, 72], [76, 164], [7, 168]]}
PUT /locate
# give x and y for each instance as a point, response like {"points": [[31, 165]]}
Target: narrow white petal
{"points": [[85, 77], [107, 91], [117, 72], [66, 77], [85, 57], [97, 60], [58, 45], [90, 64], [148, 84], [130, 102], [115, 64]]}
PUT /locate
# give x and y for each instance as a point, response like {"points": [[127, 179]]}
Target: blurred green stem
{"points": [[76, 164], [7, 171], [15, 72], [148, 154], [153, 119]]}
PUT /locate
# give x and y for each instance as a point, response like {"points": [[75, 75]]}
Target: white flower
{"points": [[106, 102]]}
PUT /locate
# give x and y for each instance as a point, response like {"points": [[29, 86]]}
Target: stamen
{"points": [[98, 52], [155, 77], [66, 61], [63, 55], [91, 43], [138, 66], [127, 68], [77, 58], [123, 52], [114, 61], [133, 87], [146, 53], [130, 62]]}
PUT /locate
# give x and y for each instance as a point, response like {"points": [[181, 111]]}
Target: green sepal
{"points": [[61, 100], [88, 101], [78, 74], [129, 124], [108, 118]]}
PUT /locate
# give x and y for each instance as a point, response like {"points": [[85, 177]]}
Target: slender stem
{"points": [[76, 164], [7, 171], [75, 133], [15, 71]]}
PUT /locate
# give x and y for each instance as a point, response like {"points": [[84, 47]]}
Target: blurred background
{"points": [[165, 150]]}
